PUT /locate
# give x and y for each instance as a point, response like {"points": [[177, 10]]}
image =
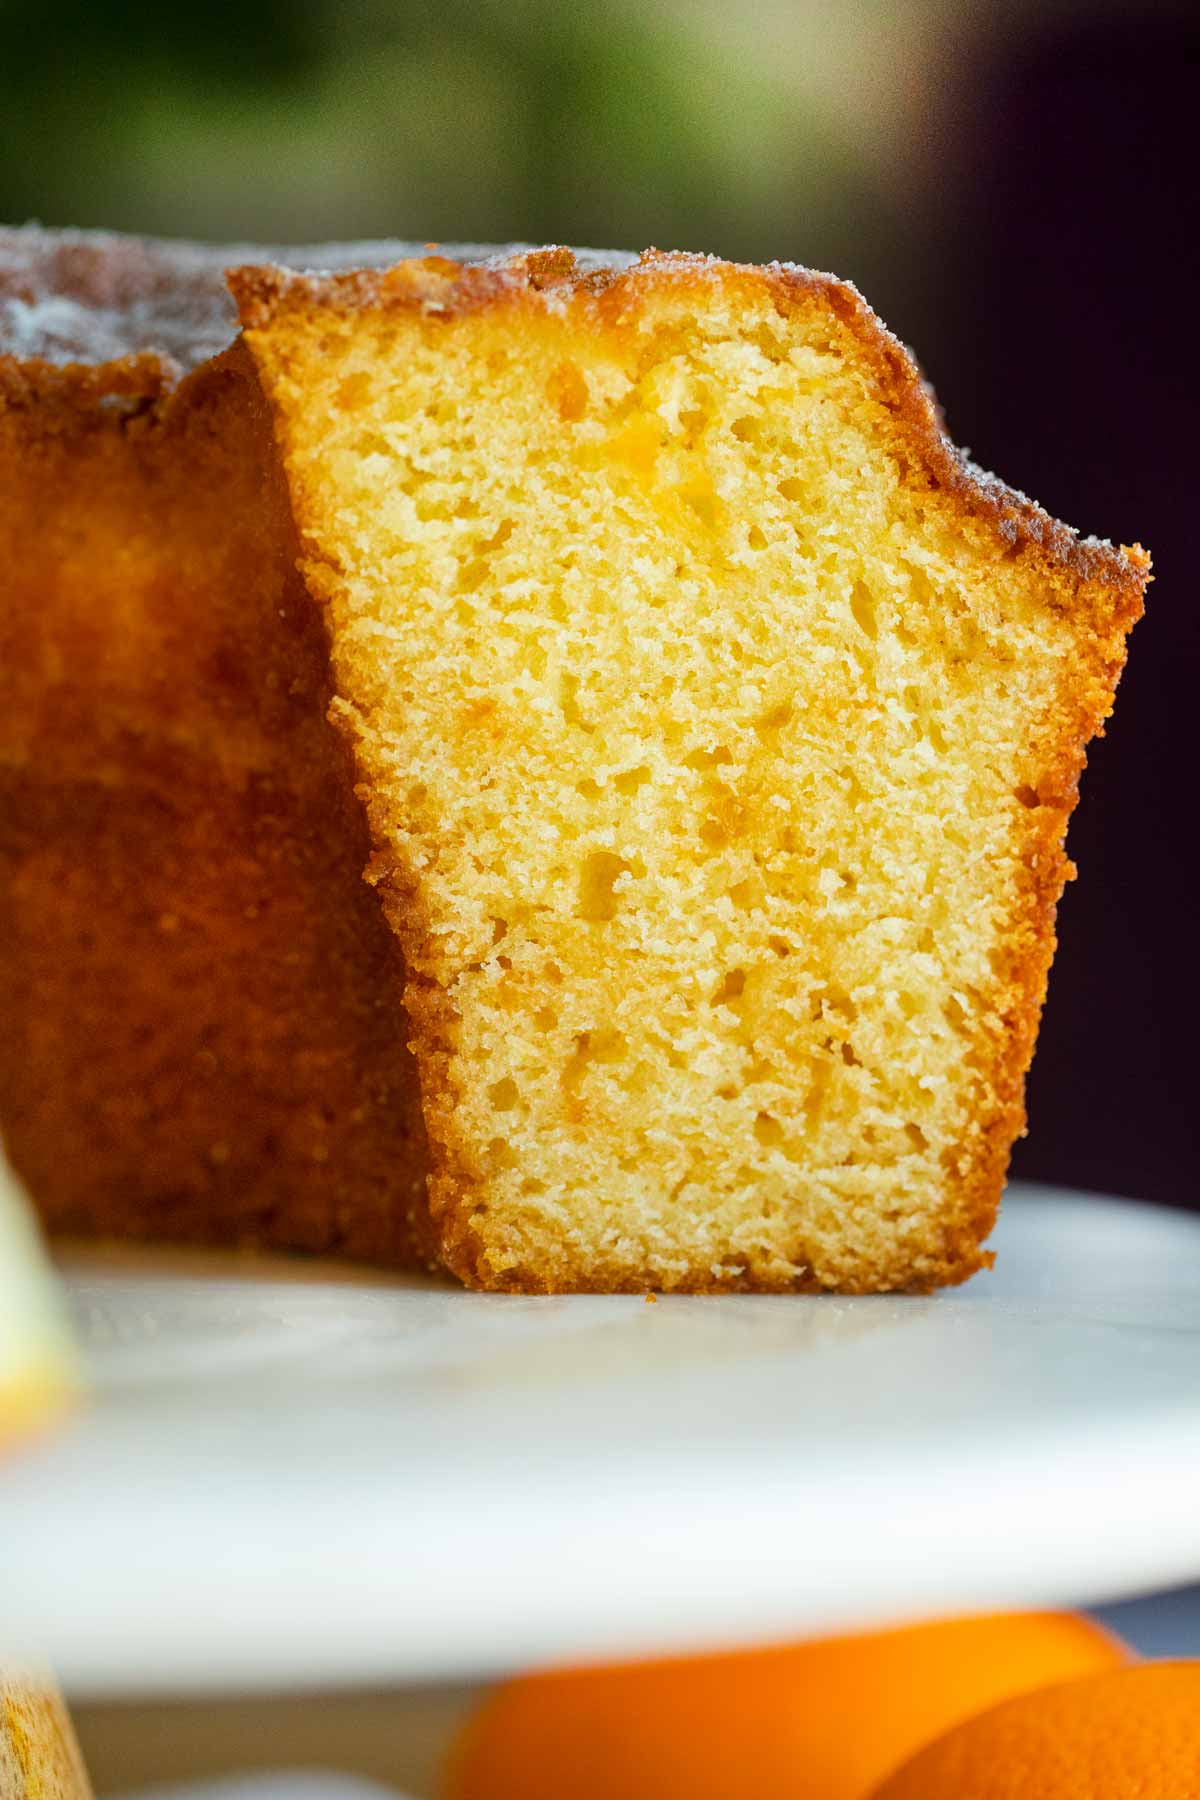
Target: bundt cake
{"points": [[717, 726], [201, 1037]]}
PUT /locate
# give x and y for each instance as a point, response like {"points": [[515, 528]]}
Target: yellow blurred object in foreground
{"points": [[37, 1363], [39, 1757], [828, 1718]]}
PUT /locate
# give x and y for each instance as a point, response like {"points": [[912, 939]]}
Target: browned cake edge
{"points": [[122, 1180], [95, 297], [1097, 587]]}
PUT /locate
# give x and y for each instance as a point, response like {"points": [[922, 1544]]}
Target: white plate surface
{"points": [[290, 1476]]}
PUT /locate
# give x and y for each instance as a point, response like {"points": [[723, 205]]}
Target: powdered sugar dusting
{"points": [[95, 297], [58, 329]]}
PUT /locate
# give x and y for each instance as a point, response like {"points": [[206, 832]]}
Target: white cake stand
{"points": [[293, 1476]]}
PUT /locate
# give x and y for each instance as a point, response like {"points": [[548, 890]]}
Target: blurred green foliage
{"points": [[294, 120]]}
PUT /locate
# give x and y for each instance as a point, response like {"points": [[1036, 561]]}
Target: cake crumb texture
{"points": [[718, 728]]}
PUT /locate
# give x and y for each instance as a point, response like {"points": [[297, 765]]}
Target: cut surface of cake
{"points": [[197, 1041], [717, 726]]}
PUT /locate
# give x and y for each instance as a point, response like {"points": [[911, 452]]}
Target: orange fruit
{"points": [[827, 1718], [1130, 1734]]}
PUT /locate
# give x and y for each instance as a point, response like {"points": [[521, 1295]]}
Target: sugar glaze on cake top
{"points": [[99, 296]]}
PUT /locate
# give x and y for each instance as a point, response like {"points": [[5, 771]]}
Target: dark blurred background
{"points": [[1014, 186]]}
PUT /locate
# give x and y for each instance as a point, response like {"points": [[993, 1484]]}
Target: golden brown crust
{"points": [[442, 285], [95, 298], [194, 980], [1102, 589], [1097, 588]]}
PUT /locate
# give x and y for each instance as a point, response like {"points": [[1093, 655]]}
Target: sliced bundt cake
{"points": [[718, 726]]}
